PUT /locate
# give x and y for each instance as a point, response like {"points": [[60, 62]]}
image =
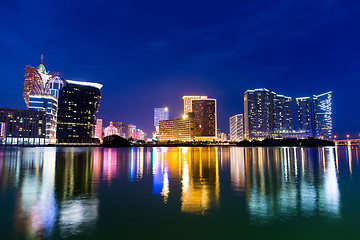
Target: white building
{"points": [[160, 114], [236, 128], [111, 130]]}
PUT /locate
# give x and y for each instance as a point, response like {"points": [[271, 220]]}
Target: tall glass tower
{"points": [[78, 107], [49, 105], [282, 114], [204, 110], [304, 115], [323, 116], [257, 113], [236, 128], [160, 114]]}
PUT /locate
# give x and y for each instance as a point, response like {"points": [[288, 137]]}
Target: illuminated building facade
{"points": [[78, 107], [282, 113], [178, 129], [257, 113], [22, 127], [323, 116], [188, 102], [132, 131], [160, 114], [49, 105], [269, 115], [55, 85], [123, 129], [111, 130], [204, 110], [304, 115], [236, 128], [36, 81], [140, 135], [98, 128]]}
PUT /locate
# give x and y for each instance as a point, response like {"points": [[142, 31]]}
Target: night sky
{"points": [[150, 53]]}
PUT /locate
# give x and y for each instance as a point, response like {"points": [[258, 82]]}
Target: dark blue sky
{"points": [[150, 53]]}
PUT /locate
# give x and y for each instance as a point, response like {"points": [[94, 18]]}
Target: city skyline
{"points": [[245, 46]]}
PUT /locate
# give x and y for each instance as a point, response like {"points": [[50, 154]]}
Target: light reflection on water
{"points": [[58, 190]]}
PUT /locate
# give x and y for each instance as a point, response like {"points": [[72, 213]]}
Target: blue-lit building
{"points": [[322, 105], [49, 105], [305, 115], [282, 113], [257, 113], [269, 115], [160, 114]]}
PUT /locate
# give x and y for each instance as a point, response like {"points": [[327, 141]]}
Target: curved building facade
{"points": [[78, 106]]}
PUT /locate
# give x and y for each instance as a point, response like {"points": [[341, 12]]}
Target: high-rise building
{"points": [[78, 107], [304, 114], [98, 128], [257, 113], [268, 114], [178, 129], [323, 116], [188, 102], [111, 130], [123, 129], [132, 131], [160, 114], [140, 135], [236, 128], [49, 105], [22, 127], [282, 114], [36, 81], [204, 110]]}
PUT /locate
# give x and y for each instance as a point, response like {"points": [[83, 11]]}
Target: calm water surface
{"points": [[180, 193]]}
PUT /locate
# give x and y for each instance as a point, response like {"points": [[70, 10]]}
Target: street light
{"points": [[347, 136]]}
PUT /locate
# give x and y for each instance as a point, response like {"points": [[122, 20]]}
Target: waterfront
{"points": [[179, 193]]}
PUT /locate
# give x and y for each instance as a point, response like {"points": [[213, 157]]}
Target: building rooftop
{"points": [[89, 84]]}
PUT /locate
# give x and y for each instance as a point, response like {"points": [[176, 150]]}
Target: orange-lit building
{"points": [[178, 129]]}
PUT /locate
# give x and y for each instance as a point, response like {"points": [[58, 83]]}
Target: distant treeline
{"points": [[117, 141]]}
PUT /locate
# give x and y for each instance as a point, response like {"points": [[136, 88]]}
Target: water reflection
{"points": [[58, 189]]}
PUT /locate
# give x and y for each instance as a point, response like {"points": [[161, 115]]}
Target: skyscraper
{"points": [[36, 81], [204, 110], [98, 128], [236, 127], [304, 114], [257, 113], [132, 131], [159, 115], [49, 105], [323, 116], [78, 107], [188, 102], [282, 114]]}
